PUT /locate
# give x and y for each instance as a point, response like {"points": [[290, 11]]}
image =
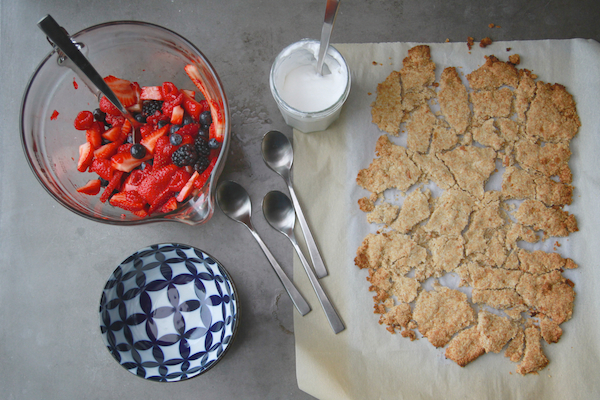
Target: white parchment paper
{"points": [[365, 361]]}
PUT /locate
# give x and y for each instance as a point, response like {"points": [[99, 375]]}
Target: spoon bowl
{"points": [[278, 154], [279, 213], [235, 202]]}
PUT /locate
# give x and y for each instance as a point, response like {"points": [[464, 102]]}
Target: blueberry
{"points": [[214, 143], [176, 139], [187, 119], [140, 118], [203, 131], [174, 128], [138, 151], [162, 123], [205, 118]]}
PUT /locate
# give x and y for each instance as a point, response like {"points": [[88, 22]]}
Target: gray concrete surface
{"points": [[53, 264]]}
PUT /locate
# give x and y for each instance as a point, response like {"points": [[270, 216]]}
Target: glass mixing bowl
{"points": [[136, 51]]}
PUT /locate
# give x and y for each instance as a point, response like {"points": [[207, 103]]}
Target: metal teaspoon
{"points": [[86, 71], [278, 154], [235, 202], [279, 213], [330, 13]]}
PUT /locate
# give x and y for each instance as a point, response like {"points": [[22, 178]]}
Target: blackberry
{"points": [[201, 164], [175, 139], [205, 118], [214, 143], [187, 119], [202, 147], [203, 131], [185, 155], [149, 107]]}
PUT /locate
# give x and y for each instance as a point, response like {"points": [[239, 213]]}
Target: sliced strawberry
{"points": [[115, 120], [186, 138], [125, 148], [168, 106], [189, 93], [92, 187], [169, 91], [163, 152], [147, 129], [160, 200], [191, 106], [133, 180], [179, 179], [188, 187], [84, 120], [177, 115], [151, 93], [114, 183], [189, 129], [156, 117], [113, 134], [108, 107], [149, 142], [216, 109], [94, 136], [157, 182], [125, 162], [141, 213], [86, 156], [128, 200], [170, 205], [123, 89], [199, 183], [103, 168], [107, 151]]}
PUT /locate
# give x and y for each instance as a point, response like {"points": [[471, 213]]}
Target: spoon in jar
{"points": [[278, 154], [330, 13], [86, 71], [279, 213], [235, 202]]}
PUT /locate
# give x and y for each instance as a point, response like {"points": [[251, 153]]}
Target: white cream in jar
{"points": [[309, 101]]}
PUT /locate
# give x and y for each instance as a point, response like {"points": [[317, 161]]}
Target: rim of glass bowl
{"points": [[310, 114], [171, 216]]}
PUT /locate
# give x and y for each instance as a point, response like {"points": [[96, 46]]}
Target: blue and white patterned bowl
{"points": [[169, 312]]}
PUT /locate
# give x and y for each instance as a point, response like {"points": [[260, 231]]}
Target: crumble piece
{"points": [[522, 184], [495, 331], [539, 262], [500, 299], [443, 138], [487, 135], [550, 159], [495, 103], [552, 116], [454, 100], [435, 170], [414, 210], [418, 70], [387, 110], [524, 94], [514, 59], [550, 294], [393, 169], [441, 313], [482, 277], [405, 289], [485, 42], [493, 74], [366, 204], [509, 129], [451, 213], [483, 222], [515, 348], [534, 358], [553, 221], [419, 129], [447, 252], [465, 347], [383, 213], [550, 330], [398, 316], [471, 167], [392, 251]]}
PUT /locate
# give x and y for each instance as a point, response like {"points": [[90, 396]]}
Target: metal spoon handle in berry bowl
{"points": [[60, 39]]}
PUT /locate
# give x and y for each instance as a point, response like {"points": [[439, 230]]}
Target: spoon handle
{"points": [[84, 68], [332, 316], [330, 14], [313, 250], [299, 302]]}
